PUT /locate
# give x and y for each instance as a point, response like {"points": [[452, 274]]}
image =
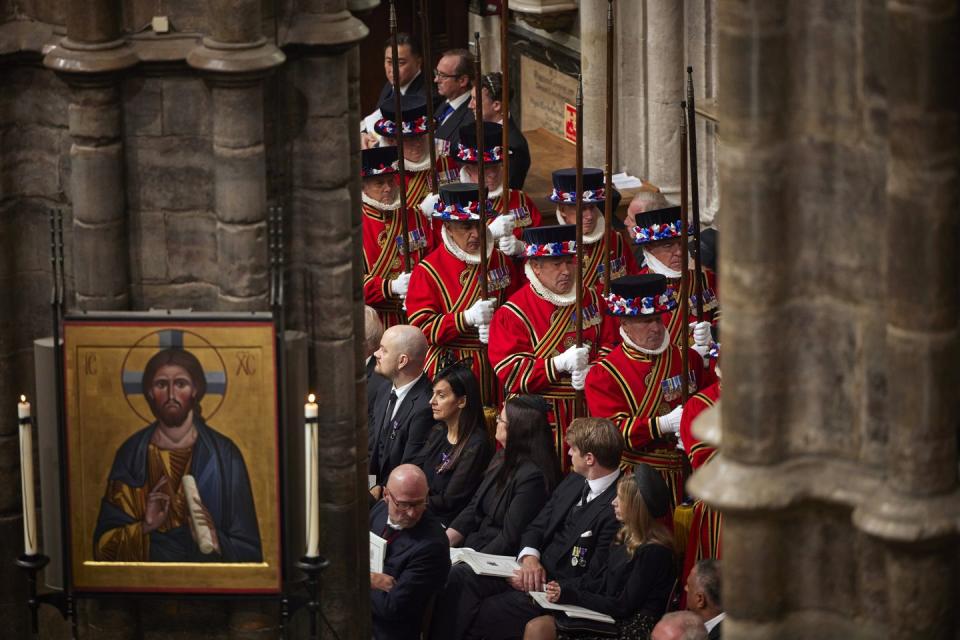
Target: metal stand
{"points": [[313, 567], [31, 566]]}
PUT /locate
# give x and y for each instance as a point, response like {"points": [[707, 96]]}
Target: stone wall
{"points": [[837, 472], [164, 152]]}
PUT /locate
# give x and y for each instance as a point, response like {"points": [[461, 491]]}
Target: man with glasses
{"points": [[453, 79], [417, 558]]}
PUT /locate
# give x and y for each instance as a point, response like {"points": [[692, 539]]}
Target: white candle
{"points": [[26, 478], [311, 475]]}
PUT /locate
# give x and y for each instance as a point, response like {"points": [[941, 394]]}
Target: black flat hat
{"points": [[653, 489], [639, 286], [377, 161]]}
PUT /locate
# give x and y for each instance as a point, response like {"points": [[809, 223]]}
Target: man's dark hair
{"points": [[404, 39], [464, 62], [708, 577], [179, 358]]}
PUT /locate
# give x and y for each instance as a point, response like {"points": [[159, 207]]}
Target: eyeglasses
{"points": [[405, 506], [439, 74]]}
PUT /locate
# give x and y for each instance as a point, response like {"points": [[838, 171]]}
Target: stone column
{"points": [[593, 66], [664, 91], [323, 98], [919, 514], [235, 58], [91, 59]]}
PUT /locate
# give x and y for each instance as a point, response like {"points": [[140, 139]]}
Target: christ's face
{"points": [[172, 395]]}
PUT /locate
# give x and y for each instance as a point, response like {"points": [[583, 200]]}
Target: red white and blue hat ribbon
{"points": [[388, 128], [590, 196], [550, 249], [457, 211], [655, 232], [469, 154], [381, 169], [642, 306]]}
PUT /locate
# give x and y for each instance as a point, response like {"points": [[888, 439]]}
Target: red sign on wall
{"points": [[570, 123]]}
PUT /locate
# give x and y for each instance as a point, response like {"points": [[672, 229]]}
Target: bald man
{"points": [[400, 419], [417, 559], [679, 625]]}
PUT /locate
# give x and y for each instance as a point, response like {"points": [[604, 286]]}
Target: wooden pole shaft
{"points": [[428, 93], [684, 248], [578, 313], [398, 124], [695, 197], [505, 104], [481, 182], [609, 240]]}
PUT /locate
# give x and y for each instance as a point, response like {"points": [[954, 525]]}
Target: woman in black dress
{"points": [[634, 586], [458, 449], [517, 483]]}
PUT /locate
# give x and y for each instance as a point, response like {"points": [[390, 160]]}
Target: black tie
{"points": [[584, 494], [389, 415]]}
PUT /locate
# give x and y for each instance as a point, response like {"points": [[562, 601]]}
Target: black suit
{"points": [[519, 156], [415, 88], [374, 382], [489, 607], [418, 559], [398, 441], [492, 523], [494, 520], [449, 129], [715, 633]]}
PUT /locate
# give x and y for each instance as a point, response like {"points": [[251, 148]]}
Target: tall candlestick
{"points": [[26, 478], [311, 412]]}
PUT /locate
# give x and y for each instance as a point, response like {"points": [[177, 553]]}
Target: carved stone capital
{"points": [[332, 33], [232, 62], [83, 64], [549, 15]]}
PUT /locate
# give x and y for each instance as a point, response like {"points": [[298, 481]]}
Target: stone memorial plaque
{"points": [[545, 92]]}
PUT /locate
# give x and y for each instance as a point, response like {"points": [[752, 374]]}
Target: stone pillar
{"points": [[235, 58], [919, 515], [323, 95], [649, 77], [593, 66], [91, 59]]}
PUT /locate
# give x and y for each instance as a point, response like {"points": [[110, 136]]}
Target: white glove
{"points": [[578, 378], [484, 331], [572, 359], [680, 443], [701, 333], [502, 226], [400, 284], [480, 313], [670, 423], [426, 207], [509, 245]]}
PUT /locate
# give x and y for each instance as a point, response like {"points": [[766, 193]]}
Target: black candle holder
{"points": [[312, 567], [31, 566]]}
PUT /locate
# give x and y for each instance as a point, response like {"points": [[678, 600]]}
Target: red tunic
{"points": [[418, 182], [706, 524], [633, 389], [622, 262], [383, 258], [527, 332], [442, 287], [711, 306]]}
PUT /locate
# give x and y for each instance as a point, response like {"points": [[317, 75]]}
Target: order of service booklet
{"points": [[570, 609], [485, 564], [378, 551]]}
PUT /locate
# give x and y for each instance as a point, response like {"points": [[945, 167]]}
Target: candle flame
{"points": [[23, 398], [311, 398]]}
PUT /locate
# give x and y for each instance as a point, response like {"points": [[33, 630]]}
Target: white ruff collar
{"points": [[379, 206], [588, 238], [556, 299], [460, 254], [658, 267], [490, 194], [410, 165], [650, 352]]}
